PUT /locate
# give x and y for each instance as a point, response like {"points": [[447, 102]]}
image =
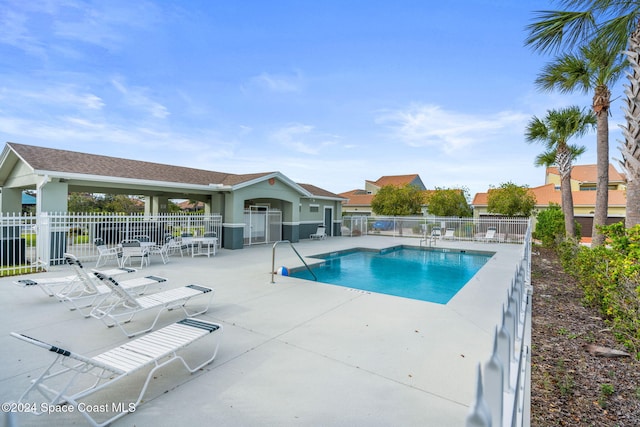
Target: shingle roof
{"points": [[317, 191], [50, 159], [73, 162]]}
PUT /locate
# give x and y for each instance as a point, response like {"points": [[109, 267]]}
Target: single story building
{"points": [[54, 173]]}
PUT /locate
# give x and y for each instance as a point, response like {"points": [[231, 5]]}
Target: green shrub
{"points": [[550, 226], [610, 279]]}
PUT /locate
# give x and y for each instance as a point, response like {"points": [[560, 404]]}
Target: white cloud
{"points": [[277, 82], [303, 138], [66, 96], [422, 125], [137, 97]]}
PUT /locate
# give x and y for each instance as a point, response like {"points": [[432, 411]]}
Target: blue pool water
{"points": [[426, 275]]}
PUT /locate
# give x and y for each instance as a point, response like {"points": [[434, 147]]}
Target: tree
{"points": [[616, 25], [554, 131], [394, 200], [593, 68], [122, 204], [449, 202], [511, 199]]}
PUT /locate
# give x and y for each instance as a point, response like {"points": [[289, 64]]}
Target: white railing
{"points": [[507, 229], [30, 243], [504, 386]]}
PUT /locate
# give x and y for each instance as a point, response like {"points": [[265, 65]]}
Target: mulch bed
{"points": [[570, 386]]}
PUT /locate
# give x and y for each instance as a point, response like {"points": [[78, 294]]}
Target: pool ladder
{"points": [[273, 259]]}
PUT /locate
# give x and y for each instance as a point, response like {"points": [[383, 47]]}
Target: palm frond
{"points": [[555, 30]]}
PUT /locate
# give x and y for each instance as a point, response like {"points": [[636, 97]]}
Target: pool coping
{"points": [[324, 257]]}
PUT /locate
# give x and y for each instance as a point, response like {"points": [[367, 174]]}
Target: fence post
{"points": [[479, 416], [494, 382], [505, 350]]}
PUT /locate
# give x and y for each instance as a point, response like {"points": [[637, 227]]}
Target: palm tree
{"points": [[595, 68], [616, 25], [554, 131]]}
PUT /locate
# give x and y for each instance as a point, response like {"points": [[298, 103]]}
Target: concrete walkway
{"points": [[294, 353]]}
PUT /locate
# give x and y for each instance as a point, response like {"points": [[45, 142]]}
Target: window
{"points": [[314, 208]]}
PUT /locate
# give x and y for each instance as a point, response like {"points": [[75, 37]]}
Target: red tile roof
{"points": [[397, 180], [357, 198], [588, 173], [546, 194]]}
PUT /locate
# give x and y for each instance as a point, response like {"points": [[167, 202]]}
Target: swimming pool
{"points": [[434, 275]]}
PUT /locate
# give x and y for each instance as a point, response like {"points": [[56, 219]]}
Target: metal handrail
{"points": [[273, 259]]}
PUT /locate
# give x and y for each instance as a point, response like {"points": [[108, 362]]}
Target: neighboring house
{"points": [[583, 179], [358, 202], [55, 173], [191, 206]]}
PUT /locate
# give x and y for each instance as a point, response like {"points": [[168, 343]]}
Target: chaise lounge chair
{"points": [[53, 286], [319, 234], [88, 290], [122, 306], [449, 234], [63, 380], [489, 236]]}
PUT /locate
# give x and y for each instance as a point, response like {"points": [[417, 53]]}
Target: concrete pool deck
{"points": [[294, 352]]}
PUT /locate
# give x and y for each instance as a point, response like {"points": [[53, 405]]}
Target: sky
{"points": [[328, 92]]}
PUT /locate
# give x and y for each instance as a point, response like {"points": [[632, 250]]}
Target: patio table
{"points": [[203, 246]]}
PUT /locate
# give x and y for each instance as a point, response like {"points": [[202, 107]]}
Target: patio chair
{"points": [[133, 249], [71, 377], [163, 250], [319, 234], [88, 290], [105, 253], [122, 306], [176, 245]]}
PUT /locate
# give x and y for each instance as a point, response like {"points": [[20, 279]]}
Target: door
{"points": [[328, 220]]}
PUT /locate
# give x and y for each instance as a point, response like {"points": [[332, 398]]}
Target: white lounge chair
{"points": [[53, 286], [489, 236], [122, 306], [63, 381], [319, 234], [449, 234], [88, 290], [436, 233]]}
